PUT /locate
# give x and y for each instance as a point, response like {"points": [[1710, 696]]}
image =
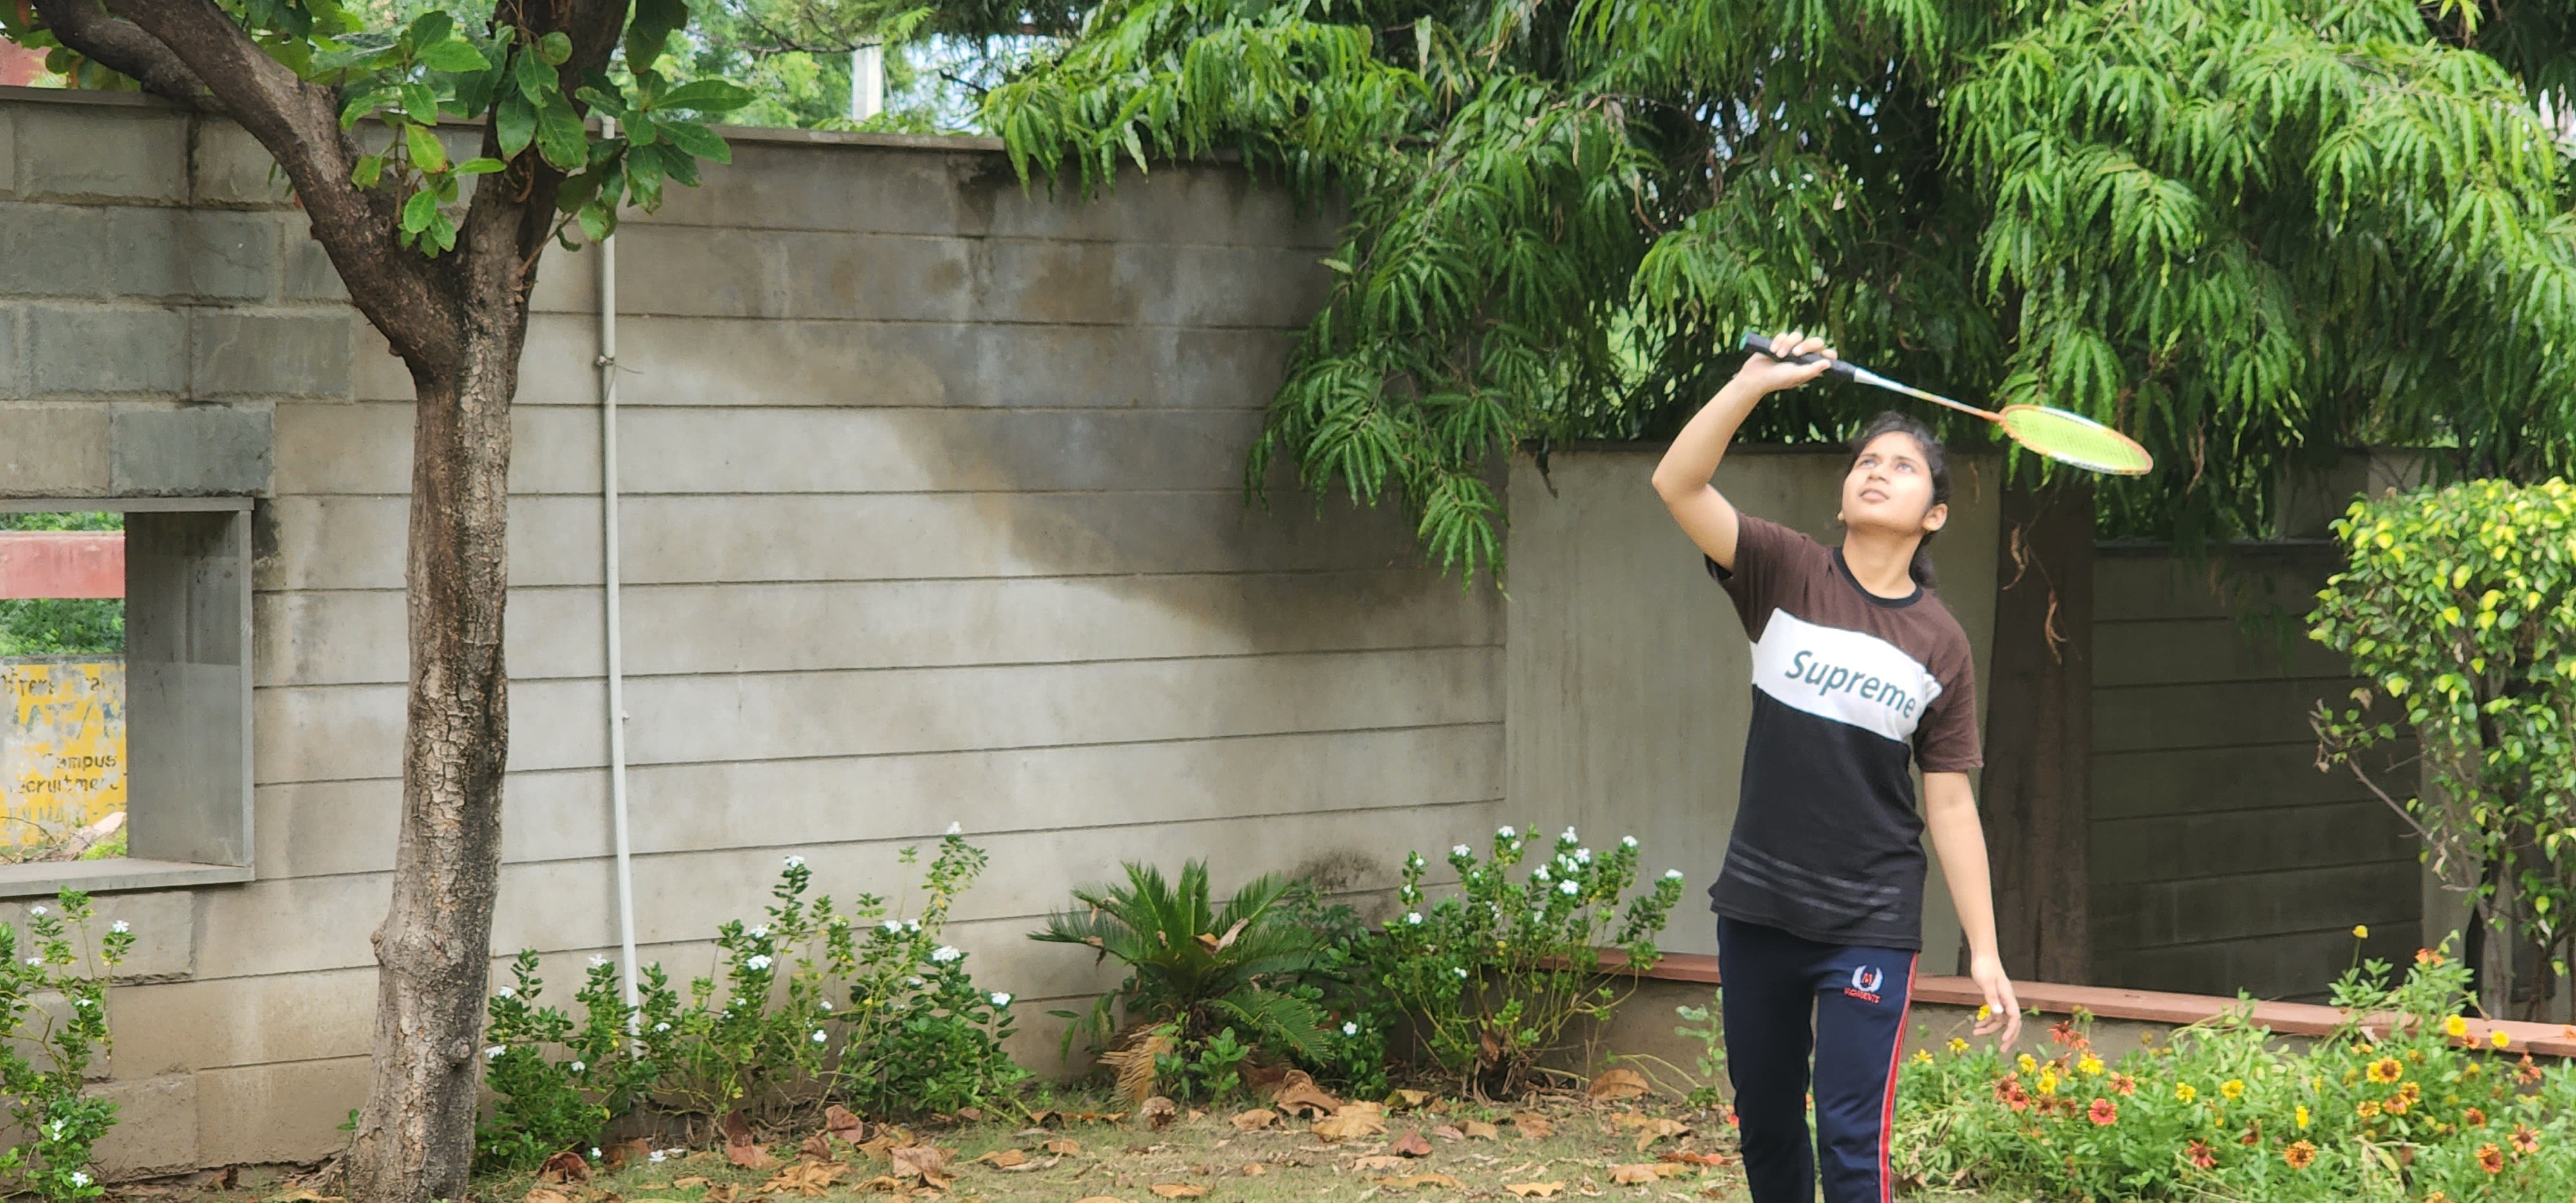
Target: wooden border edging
{"points": [[2142, 1006]]}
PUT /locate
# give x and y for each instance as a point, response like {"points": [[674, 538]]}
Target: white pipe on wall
{"points": [[615, 632], [867, 82]]}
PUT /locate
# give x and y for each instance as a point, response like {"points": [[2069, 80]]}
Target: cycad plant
{"points": [[1198, 974]]}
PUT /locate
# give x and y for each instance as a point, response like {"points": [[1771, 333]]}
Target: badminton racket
{"points": [[2068, 438]]}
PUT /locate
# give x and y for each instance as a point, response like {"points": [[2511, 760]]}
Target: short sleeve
{"points": [[1947, 740], [1767, 564]]}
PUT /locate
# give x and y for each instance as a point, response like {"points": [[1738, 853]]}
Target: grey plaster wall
{"points": [[1629, 671], [934, 514]]}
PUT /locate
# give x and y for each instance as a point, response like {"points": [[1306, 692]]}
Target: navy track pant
{"points": [[1773, 987]]}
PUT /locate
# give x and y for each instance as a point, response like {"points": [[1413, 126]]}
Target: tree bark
{"points": [[2037, 787]]}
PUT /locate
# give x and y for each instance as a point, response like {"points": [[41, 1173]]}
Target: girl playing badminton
{"points": [[1860, 674]]}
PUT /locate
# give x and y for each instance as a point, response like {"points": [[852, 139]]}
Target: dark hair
{"points": [[1934, 458]]}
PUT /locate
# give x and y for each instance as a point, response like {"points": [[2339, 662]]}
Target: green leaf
{"points": [[603, 100], [441, 232], [480, 166], [420, 103], [704, 96], [696, 140], [577, 190], [555, 48], [455, 56], [417, 211], [650, 31], [640, 130], [536, 80], [561, 140], [426, 152], [514, 125], [428, 29], [596, 221], [370, 169], [361, 104]]}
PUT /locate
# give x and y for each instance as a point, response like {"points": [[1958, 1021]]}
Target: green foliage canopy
{"points": [[2247, 234]]}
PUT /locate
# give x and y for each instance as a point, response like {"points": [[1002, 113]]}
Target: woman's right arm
{"points": [[1682, 479]]}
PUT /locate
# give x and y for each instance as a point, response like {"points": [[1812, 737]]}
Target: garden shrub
{"points": [[1493, 976], [911, 1034], [2395, 1105], [57, 1122], [2458, 607]]}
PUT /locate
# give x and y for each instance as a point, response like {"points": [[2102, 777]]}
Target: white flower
{"points": [[594, 1152], [1351, 1029], [894, 925], [82, 1002], [759, 933], [57, 1127], [35, 960], [1413, 917], [1461, 850], [1627, 841], [508, 991], [1413, 859], [577, 1067], [1583, 856], [120, 927], [956, 829], [914, 927], [793, 862], [912, 981], [819, 1037], [1673, 874], [1566, 888], [655, 1156], [827, 1004], [80, 1177], [1506, 832], [945, 953], [1539, 873], [37, 911], [1001, 998], [1570, 837], [756, 961], [1460, 970], [661, 1027], [596, 962]]}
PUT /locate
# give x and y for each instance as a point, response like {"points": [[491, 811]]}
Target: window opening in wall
{"points": [[62, 681]]}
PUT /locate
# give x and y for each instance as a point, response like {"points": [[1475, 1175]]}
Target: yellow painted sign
{"points": [[62, 750]]}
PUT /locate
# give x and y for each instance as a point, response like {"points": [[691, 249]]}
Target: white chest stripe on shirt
{"points": [[1846, 676]]}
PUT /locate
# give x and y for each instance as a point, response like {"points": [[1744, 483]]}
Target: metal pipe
{"points": [[616, 640]]}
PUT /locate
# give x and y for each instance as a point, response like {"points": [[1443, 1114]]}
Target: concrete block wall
{"points": [[2222, 858], [933, 513]]}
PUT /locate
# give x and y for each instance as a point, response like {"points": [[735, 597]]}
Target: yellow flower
{"points": [[1957, 1045], [2183, 1092], [2386, 1070], [2360, 932], [2366, 1108], [2091, 1066], [2303, 1117], [1923, 1055], [1984, 1013], [2457, 1027], [2500, 1040], [2028, 1063], [2233, 1088], [2048, 1081]]}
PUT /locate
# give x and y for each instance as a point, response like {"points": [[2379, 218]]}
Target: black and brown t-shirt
{"points": [[1847, 688]]}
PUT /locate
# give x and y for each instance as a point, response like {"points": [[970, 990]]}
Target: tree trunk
{"points": [[415, 1139], [2039, 732]]}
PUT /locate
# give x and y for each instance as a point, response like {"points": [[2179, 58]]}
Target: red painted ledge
{"points": [[62, 564], [2144, 1006]]}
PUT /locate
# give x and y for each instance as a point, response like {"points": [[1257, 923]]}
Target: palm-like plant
{"points": [[1194, 967]]}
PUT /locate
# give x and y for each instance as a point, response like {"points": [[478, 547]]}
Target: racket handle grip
{"points": [[1760, 344]]}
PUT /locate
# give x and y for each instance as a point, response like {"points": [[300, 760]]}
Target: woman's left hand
{"points": [[2003, 1010]]}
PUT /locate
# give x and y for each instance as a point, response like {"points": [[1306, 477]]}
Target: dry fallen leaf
{"points": [[1631, 1175], [1533, 1124], [1445, 1132], [1377, 1161], [1003, 1159], [1617, 1084], [1258, 1117], [886, 1140], [808, 1178], [838, 1121], [626, 1151], [306, 1194], [926, 1162], [1411, 1144], [564, 1167], [1478, 1128], [691, 1182], [884, 1182], [1298, 1095], [1177, 1190], [1654, 1130], [1690, 1158], [1418, 1181], [1160, 1112], [544, 1195], [749, 1156], [1101, 1199], [1254, 1169], [818, 1146], [1541, 1190], [721, 1192], [1067, 1148], [1408, 1098], [1350, 1123]]}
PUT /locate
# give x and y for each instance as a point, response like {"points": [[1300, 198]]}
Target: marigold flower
{"points": [[2499, 1039], [2366, 1109], [2300, 1155], [2232, 1088], [2105, 1112], [2396, 1105], [2411, 1092], [2456, 1027], [2386, 1070], [2491, 1159], [2183, 1092], [2524, 1139], [2473, 1118], [2201, 1154]]}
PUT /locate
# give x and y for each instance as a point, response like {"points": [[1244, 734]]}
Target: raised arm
{"points": [[1682, 479], [1950, 812]]}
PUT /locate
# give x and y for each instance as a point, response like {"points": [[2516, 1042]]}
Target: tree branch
{"points": [[299, 124], [124, 48]]}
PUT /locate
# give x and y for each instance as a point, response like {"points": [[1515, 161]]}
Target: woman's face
{"points": [[1889, 488]]}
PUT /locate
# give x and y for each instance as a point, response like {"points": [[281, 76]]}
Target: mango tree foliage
{"points": [[2458, 610], [2244, 233]]}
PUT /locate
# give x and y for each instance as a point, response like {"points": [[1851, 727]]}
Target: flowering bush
{"points": [[55, 1122], [1493, 975], [2395, 1105], [912, 1034]]}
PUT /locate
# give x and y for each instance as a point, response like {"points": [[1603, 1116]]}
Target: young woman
{"points": [[1859, 675]]}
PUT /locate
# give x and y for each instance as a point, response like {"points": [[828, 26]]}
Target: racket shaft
{"points": [[1865, 376]]}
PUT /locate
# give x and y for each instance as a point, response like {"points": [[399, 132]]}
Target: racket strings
{"points": [[2074, 439]]}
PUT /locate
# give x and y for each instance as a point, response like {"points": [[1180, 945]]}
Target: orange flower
{"points": [[2411, 1092], [2201, 1155], [2300, 1155], [2473, 1118], [2529, 1073], [2366, 1109], [2491, 1159], [2397, 1105], [2386, 1070], [2124, 1084], [2525, 1140], [2105, 1113], [2253, 1134], [2426, 956]]}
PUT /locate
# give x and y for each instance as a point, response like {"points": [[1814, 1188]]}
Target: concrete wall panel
{"points": [[118, 153]]}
